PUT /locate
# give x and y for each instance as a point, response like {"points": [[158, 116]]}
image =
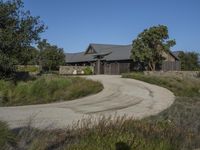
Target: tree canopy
{"points": [[149, 46], [30, 56], [189, 60], [18, 31], [51, 57]]}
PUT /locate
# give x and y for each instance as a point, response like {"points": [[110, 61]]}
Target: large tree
{"points": [[149, 46], [189, 60], [30, 56], [51, 57], [18, 31]]}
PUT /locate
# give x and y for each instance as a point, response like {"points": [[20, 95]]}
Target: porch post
{"points": [[98, 66]]}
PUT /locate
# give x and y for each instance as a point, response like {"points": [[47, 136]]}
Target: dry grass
{"points": [[185, 87], [120, 133], [185, 112]]}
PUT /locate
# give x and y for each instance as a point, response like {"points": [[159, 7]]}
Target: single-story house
{"points": [[113, 59]]}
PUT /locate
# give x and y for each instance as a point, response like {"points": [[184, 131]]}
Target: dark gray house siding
{"points": [[113, 59]]}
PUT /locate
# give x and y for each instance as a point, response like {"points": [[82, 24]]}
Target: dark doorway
{"points": [[99, 67], [102, 68]]}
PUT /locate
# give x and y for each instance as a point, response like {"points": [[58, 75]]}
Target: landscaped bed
{"points": [[46, 89]]}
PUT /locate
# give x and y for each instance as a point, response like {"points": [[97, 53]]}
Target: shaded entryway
{"points": [[112, 67]]}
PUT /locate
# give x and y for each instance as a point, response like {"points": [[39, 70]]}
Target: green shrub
{"points": [[46, 89], [6, 136], [88, 71]]}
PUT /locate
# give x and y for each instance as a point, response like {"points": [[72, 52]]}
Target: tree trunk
{"points": [[150, 66]]}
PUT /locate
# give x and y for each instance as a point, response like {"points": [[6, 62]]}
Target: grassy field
{"points": [[46, 89]]}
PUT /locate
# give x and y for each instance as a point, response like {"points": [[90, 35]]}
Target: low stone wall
{"points": [[193, 74], [73, 70]]}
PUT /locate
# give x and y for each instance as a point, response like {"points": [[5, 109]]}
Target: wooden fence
{"points": [[116, 68], [171, 66]]}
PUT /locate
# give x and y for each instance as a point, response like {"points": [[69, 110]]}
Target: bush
{"points": [[46, 89], [88, 71], [6, 136]]}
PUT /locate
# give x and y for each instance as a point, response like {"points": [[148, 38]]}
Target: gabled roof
{"points": [[101, 48], [77, 57], [115, 52]]}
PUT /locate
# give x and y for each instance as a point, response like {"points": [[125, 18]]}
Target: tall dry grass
{"points": [[107, 133]]}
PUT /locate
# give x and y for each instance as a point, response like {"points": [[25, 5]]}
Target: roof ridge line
{"points": [[109, 44]]}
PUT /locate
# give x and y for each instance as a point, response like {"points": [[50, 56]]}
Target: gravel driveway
{"points": [[120, 96]]}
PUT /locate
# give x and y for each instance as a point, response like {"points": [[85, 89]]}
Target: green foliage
{"points": [[46, 89], [6, 136], [88, 71], [189, 61], [51, 57], [150, 45], [29, 57], [18, 30], [7, 67]]}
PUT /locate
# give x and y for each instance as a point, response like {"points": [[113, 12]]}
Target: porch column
{"points": [[98, 66]]}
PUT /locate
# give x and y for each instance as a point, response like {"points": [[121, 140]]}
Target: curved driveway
{"points": [[120, 96]]}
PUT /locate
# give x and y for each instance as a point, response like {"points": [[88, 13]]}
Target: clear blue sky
{"points": [[73, 24]]}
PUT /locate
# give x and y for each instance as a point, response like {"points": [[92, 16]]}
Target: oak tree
{"points": [[149, 46], [51, 57], [18, 31]]}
